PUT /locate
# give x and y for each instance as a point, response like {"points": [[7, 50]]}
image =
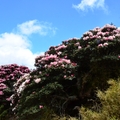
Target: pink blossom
{"points": [[74, 64], [40, 106], [79, 47], [37, 80], [33, 92], [77, 44], [46, 65], [66, 61], [72, 75], [8, 99], [97, 29], [98, 37], [61, 47], [53, 63], [1, 93], [65, 76], [60, 61], [99, 33], [115, 31], [63, 65], [65, 56], [103, 34], [86, 38], [105, 38], [2, 86], [117, 35], [40, 72], [59, 53], [105, 44], [111, 37], [100, 45], [94, 36], [27, 81]]}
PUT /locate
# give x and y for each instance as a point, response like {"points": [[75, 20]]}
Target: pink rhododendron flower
{"points": [[65, 76], [77, 44], [27, 81], [37, 80], [8, 99], [111, 37], [105, 44], [63, 65], [100, 45], [40, 106], [79, 47], [46, 65], [72, 75], [33, 92], [60, 47], [98, 37], [117, 35], [105, 38], [65, 57], [2, 86], [97, 29], [1, 93], [59, 53], [40, 72], [74, 64]]}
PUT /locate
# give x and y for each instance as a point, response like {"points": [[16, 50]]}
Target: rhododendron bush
{"points": [[68, 75], [9, 74], [48, 85]]}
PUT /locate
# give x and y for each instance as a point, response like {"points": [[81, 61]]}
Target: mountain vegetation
{"points": [[76, 80]]}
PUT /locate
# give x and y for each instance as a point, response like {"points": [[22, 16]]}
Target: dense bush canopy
{"points": [[69, 74], [110, 104], [9, 74]]}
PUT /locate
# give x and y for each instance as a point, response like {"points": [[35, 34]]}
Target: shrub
{"points": [[68, 75], [110, 104], [9, 74]]}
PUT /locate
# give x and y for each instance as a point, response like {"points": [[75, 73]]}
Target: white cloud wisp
{"points": [[15, 46], [34, 26], [15, 49], [85, 4]]}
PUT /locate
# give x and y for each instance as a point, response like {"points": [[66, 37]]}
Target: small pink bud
{"points": [[40, 106], [65, 76]]}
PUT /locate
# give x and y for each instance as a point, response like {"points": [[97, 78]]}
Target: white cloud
{"points": [[15, 49], [15, 46], [34, 26], [85, 4]]}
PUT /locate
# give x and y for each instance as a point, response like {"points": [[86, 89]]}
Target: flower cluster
{"points": [[21, 83], [41, 60], [106, 33], [64, 70], [54, 71], [9, 74], [101, 43], [60, 47]]}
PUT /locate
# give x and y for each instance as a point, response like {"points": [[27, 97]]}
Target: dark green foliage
{"points": [[110, 104], [68, 75]]}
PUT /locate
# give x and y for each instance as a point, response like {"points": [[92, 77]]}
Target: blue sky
{"points": [[29, 27]]}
